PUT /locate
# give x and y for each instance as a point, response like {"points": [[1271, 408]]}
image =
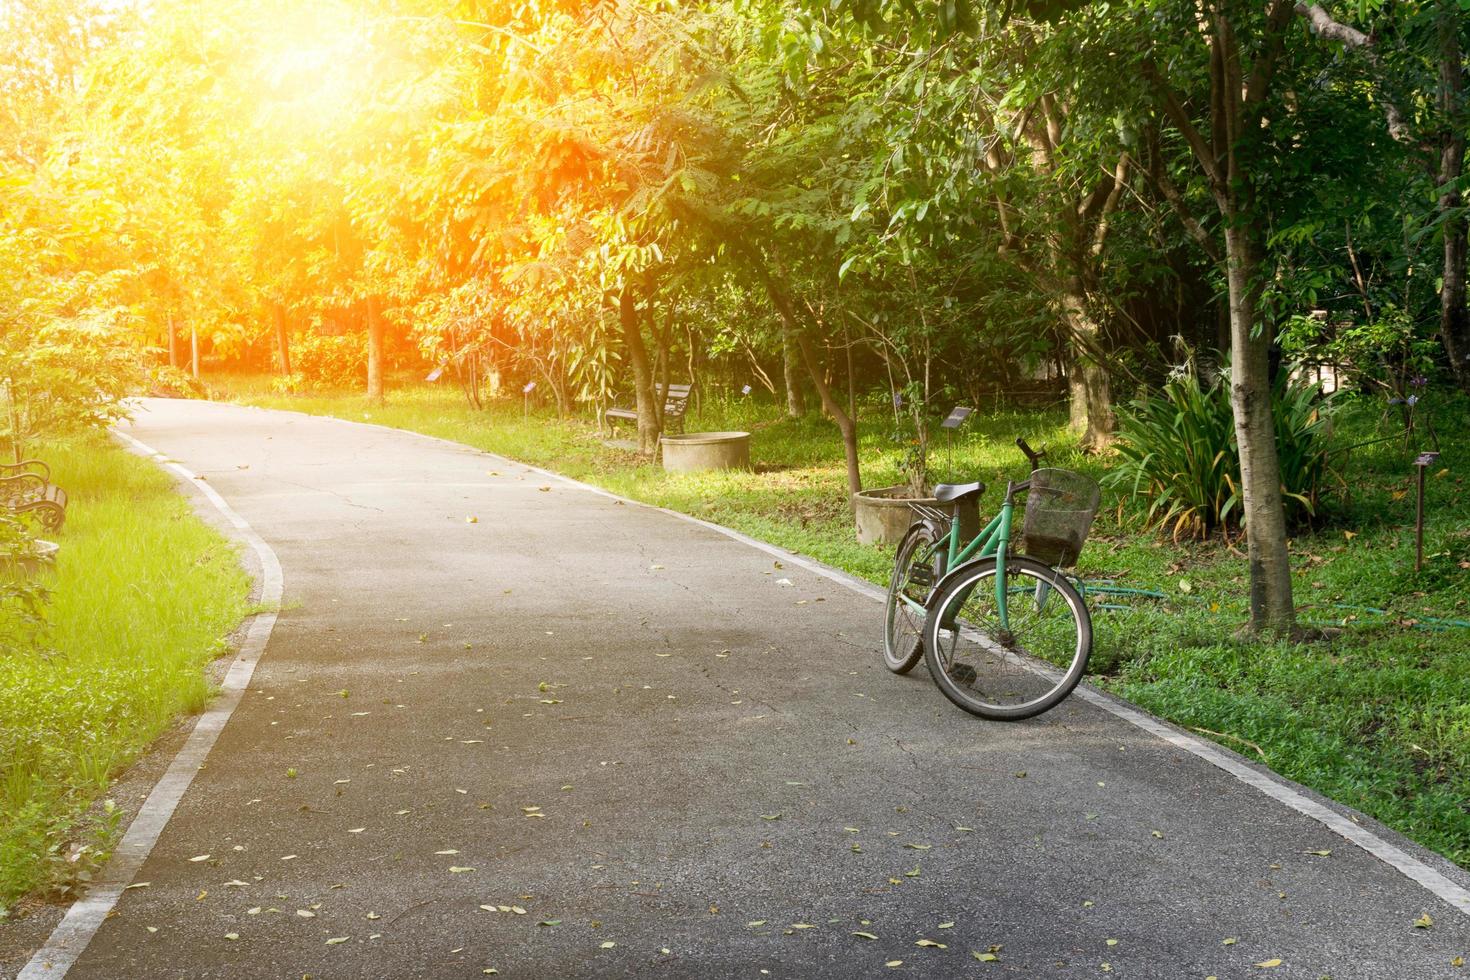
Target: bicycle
{"points": [[1005, 636]]}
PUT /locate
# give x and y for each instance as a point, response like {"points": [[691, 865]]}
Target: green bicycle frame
{"points": [[991, 541]]}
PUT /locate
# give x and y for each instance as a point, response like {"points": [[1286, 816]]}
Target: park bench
{"points": [[26, 488], [676, 401]]}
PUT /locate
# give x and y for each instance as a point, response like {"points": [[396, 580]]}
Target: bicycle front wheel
{"points": [[1013, 662], [915, 571]]}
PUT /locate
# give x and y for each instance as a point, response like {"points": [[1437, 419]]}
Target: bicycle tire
{"points": [[903, 630], [1015, 672]]}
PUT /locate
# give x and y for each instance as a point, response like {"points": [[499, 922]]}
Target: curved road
{"points": [[508, 724]]}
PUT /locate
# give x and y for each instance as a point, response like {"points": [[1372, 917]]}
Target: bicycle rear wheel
{"points": [[915, 571], [1014, 666]]}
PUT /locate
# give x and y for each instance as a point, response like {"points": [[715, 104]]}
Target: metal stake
{"points": [[1423, 461]]}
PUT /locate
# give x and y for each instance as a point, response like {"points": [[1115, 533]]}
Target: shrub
{"points": [[329, 362], [21, 599], [1179, 450], [166, 381]]}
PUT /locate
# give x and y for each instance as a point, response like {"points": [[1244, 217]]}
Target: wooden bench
{"points": [[25, 488], [676, 402]]}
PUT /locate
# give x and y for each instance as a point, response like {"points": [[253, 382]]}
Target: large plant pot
{"points": [[884, 514], [695, 451]]}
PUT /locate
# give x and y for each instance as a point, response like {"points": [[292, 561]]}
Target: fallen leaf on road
{"points": [[1424, 922], [1268, 964], [984, 957], [930, 944], [456, 870], [232, 936], [865, 935], [140, 884], [200, 857], [306, 913], [338, 940]]}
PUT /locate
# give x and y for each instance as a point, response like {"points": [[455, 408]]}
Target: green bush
{"points": [[21, 598], [1179, 452], [329, 362]]}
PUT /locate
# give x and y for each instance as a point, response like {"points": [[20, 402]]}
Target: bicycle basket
{"points": [[1059, 511]]}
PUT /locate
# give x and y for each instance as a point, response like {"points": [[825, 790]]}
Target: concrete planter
{"points": [[40, 557], [695, 451], [883, 515]]}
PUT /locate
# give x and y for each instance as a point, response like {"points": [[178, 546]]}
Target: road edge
{"points": [[70, 938]]}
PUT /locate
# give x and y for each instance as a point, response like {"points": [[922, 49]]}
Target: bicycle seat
{"points": [[948, 492]]}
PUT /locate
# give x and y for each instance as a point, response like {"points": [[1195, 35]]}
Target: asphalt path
{"points": [[509, 726]]}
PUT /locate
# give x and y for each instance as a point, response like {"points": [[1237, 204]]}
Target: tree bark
{"points": [[1454, 317], [648, 427], [374, 352], [791, 362], [791, 327], [173, 342], [283, 342], [194, 350], [1271, 602], [1091, 393], [846, 424], [1227, 159]]}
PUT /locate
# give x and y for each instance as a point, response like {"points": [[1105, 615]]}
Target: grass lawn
{"points": [[143, 597], [1379, 718]]}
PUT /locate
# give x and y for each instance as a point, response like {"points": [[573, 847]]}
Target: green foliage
{"points": [[166, 381], [1179, 453], [62, 376], [321, 361], [143, 595], [22, 597]]}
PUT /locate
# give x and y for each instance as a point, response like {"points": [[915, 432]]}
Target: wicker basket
{"points": [[1059, 511]]}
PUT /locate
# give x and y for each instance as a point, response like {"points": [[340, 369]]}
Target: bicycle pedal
{"points": [[922, 575]]}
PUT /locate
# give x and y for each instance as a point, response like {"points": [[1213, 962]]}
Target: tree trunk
{"points": [[194, 350], [648, 427], [283, 343], [1271, 604], [790, 357], [173, 342], [1454, 317], [374, 353], [1092, 415], [846, 424]]}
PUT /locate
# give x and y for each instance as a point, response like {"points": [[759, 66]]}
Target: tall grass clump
{"points": [[1179, 453], [142, 597]]}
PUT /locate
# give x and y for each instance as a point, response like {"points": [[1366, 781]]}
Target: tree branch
{"points": [[1110, 204], [1350, 37], [1264, 70], [1202, 150], [1197, 231]]}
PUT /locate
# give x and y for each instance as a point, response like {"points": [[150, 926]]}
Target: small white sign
{"points": [[745, 390], [530, 387]]}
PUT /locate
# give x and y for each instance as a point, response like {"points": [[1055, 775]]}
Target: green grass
{"points": [[1377, 719], [143, 596]]}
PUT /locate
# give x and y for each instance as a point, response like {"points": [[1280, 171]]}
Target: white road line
{"points": [[1452, 893], [70, 937]]}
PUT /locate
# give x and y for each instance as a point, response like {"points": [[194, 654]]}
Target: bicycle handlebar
{"points": [[1032, 456]]}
